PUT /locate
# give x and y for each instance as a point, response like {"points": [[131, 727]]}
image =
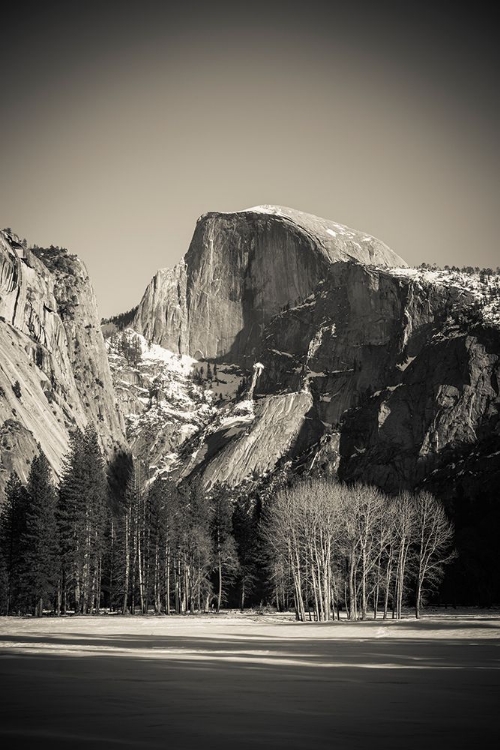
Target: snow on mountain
{"points": [[170, 400], [162, 404]]}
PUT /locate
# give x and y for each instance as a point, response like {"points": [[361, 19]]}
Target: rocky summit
{"points": [[241, 269]]}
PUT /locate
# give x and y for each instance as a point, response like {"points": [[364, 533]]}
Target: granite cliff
{"points": [[54, 372], [239, 271], [387, 372]]}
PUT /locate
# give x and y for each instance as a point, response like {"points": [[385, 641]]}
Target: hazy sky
{"points": [[121, 124]]}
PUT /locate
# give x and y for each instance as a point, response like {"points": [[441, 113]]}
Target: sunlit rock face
{"points": [[239, 271], [54, 373]]}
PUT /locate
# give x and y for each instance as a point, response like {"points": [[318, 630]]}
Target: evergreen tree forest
{"points": [[105, 541]]}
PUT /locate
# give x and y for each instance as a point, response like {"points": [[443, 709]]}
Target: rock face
{"points": [[239, 271], [280, 337], [272, 430], [54, 373], [396, 377], [389, 371]]}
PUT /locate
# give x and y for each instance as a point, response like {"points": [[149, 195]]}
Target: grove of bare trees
{"points": [[331, 546]]}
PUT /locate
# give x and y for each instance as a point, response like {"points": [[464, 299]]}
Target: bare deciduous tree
{"points": [[433, 544]]}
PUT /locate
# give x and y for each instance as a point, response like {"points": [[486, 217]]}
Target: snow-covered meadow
{"points": [[252, 681]]}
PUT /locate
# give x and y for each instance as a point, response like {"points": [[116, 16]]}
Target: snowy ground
{"points": [[254, 681]]}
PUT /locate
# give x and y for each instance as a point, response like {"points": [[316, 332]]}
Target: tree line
{"points": [[470, 270], [106, 539], [101, 540]]}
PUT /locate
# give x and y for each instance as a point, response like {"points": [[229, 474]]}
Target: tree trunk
{"points": [[167, 582], [140, 573], [387, 585], [352, 589], [418, 599], [363, 586], [126, 579], [219, 591], [242, 598], [177, 585]]}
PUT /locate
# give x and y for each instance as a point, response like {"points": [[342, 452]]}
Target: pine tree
{"points": [[163, 524], [96, 493], [193, 554], [127, 547], [118, 477], [12, 528], [248, 541], [224, 547], [155, 538], [71, 514], [82, 520], [39, 567]]}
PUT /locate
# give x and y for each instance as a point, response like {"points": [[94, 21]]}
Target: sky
{"points": [[120, 124]]}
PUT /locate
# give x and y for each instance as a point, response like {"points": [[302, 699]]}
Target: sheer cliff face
{"points": [[54, 373], [396, 386], [239, 271], [367, 368]]}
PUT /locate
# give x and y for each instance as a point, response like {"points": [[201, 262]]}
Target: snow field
{"points": [[249, 682]]}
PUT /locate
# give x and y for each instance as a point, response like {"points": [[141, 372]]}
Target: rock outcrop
{"points": [[270, 432], [163, 405], [54, 373]]}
